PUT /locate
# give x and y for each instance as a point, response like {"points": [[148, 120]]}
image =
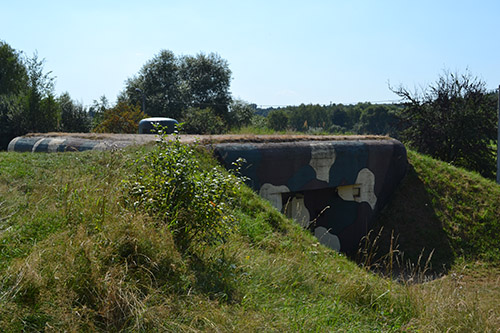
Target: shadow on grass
{"points": [[409, 227], [215, 277]]}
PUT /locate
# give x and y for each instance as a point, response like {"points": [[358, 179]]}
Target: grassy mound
{"points": [[82, 250], [443, 212]]}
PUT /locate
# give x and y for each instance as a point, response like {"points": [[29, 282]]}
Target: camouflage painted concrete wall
{"points": [[334, 188], [37, 144]]}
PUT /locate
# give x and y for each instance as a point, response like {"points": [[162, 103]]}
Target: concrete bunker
{"points": [[333, 188]]}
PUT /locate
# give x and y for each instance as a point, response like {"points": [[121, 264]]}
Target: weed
{"points": [[193, 203]]}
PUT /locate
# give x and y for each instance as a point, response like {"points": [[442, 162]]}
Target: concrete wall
{"points": [[334, 188]]}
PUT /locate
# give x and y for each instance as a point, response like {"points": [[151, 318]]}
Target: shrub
{"points": [[123, 118], [171, 185], [202, 121]]}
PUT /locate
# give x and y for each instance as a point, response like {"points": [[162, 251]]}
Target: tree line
{"points": [[191, 89], [363, 118], [453, 119]]}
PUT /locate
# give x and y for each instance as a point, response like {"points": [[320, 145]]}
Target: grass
{"points": [[450, 211], [74, 256]]}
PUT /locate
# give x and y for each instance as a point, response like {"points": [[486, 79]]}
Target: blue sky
{"points": [[280, 52]]}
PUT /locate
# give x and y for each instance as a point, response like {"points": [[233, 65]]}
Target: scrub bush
{"points": [[194, 203]]}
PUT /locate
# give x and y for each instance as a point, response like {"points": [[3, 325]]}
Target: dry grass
{"points": [[465, 300], [74, 259]]}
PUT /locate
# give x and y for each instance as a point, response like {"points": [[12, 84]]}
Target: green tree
{"points": [[202, 121], [377, 119], [173, 84], [40, 113], [454, 119], [241, 113], [10, 107], [339, 116], [74, 117], [13, 84], [205, 82], [13, 74], [123, 118], [159, 80], [97, 110], [277, 120]]}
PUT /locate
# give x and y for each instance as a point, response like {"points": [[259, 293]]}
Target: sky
{"points": [[280, 52]]}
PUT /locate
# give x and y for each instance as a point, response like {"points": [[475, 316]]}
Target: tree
{"points": [[339, 116], [277, 120], [74, 117], [10, 106], [241, 113], [454, 120], [97, 109], [40, 112], [13, 74], [13, 83], [205, 82], [159, 80], [202, 121], [173, 84], [377, 119], [123, 118]]}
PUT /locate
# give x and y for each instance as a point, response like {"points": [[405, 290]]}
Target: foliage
{"points": [[13, 74], [202, 121], [277, 120], [205, 80], [40, 112], [378, 119], [13, 83], [194, 204], [123, 118], [27, 102], [74, 258], [74, 117], [454, 120], [173, 84], [361, 118], [10, 107], [96, 111], [159, 80], [304, 117], [241, 113]]}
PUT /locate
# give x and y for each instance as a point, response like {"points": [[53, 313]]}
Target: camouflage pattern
{"points": [[43, 144], [334, 188]]}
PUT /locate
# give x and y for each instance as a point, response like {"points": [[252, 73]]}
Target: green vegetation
{"points": [[82, 250], [191, 89], [454, 120], [362, 118]]}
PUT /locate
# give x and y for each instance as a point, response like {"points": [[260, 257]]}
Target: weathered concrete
{"points": [[332, 185], [334, 188]]}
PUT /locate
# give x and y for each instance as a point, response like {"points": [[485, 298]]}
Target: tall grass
{"points": [[75, 256]]}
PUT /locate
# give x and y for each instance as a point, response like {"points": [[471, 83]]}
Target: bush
{"points": [[454, 120], [277, 120], [171, 185], [202, 121], [123, 118]]}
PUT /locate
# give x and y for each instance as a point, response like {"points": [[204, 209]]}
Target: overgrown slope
{"points": [[441, 208], [78, 254]]}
